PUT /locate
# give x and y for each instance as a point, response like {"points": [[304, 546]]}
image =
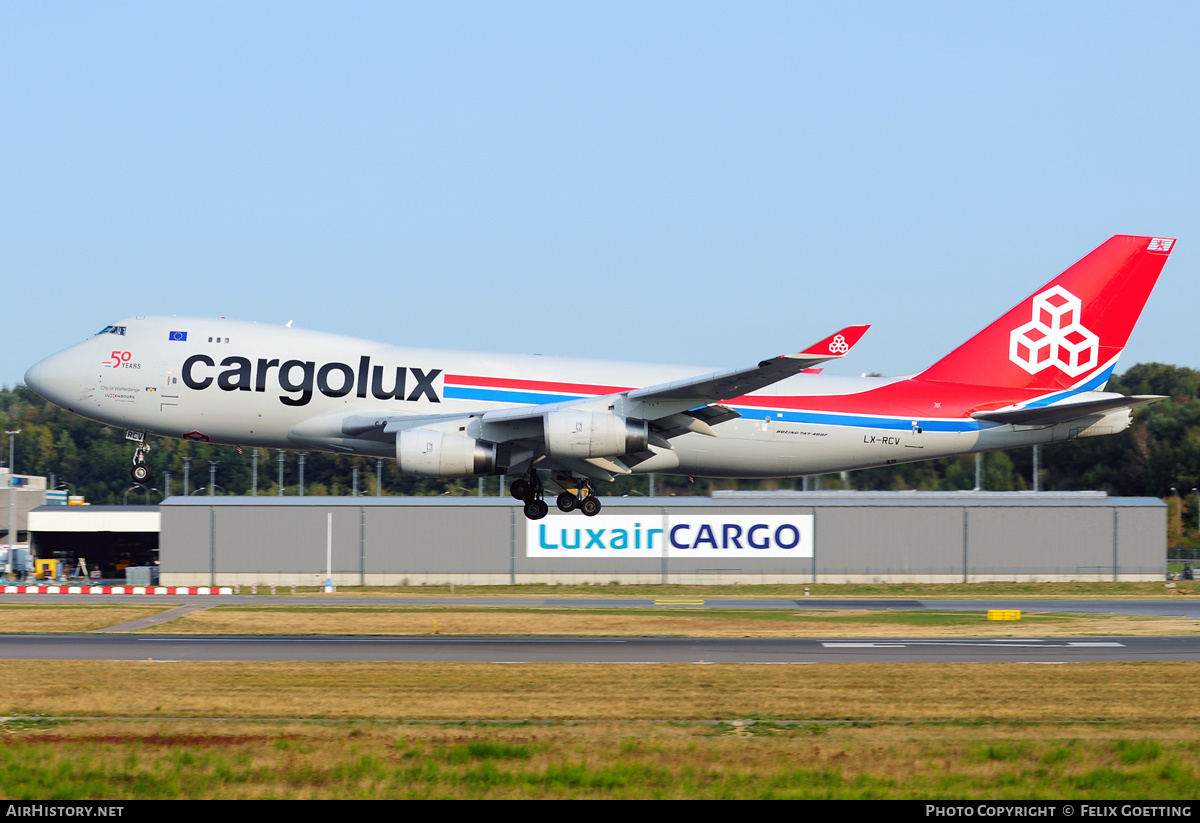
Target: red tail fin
{"points": [[1068, 332]]}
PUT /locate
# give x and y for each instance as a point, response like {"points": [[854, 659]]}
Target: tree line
{"points": [[1158, 453]]}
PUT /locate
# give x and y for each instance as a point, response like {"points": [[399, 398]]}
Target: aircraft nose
{"points": [[53, 377], [34, 378]]}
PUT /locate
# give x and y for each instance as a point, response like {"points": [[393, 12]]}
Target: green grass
{"points": [[694, 761]]}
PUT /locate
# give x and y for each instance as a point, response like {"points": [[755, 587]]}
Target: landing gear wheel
{"points": [[567, 502], [141, 472], [590, 506], [536, 509], [521, 489]]}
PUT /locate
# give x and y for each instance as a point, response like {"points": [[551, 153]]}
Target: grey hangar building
{"points": [[744, 538]]}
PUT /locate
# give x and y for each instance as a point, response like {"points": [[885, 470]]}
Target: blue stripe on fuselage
{"points": [[864, 422], [505, 395], [1091, 385], [511, 396]]}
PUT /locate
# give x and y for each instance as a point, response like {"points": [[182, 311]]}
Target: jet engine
{"points": [[429, 453], [583, 434]]}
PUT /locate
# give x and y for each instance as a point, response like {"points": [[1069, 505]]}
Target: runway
{"points": [[1180, 606], [558, 649], [598, 649]]}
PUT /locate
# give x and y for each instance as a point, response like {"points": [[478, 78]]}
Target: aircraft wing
{"points": [[694, 398], [736, 382], [670, 409], [1072, 409]]}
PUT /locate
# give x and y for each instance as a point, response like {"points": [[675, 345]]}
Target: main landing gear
{"points": [[141, 472], [577, 494], [529, 489]]}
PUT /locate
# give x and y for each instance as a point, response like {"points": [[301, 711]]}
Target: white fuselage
{"points": [[251, 384]]}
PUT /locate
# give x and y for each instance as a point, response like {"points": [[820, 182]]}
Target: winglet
{"points": [[837, 344]]}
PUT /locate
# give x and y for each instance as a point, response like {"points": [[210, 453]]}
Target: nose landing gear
{"points": [[141, 472]]}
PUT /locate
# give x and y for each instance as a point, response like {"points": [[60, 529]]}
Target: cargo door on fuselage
{"points": [[168, 393]]}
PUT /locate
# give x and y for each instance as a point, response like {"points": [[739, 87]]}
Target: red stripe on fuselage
{"points": [[532, 385], [904, 398]]}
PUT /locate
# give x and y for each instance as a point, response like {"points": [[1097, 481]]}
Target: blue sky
{"points": [[671, 182]]}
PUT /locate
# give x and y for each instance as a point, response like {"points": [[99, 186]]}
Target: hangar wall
{"points": [[110, 538], [828, 537]]}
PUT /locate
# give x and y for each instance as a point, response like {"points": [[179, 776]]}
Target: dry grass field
{"points": [[861, 692], [160, 729], [1088, 731], [39, 618], [449, 620]]}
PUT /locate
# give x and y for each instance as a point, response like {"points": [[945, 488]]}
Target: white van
{"points": [[22, 562]]}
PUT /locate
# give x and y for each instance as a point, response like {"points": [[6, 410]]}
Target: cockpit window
{"points": [[112, 330]]}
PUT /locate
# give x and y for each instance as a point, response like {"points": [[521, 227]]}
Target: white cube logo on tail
{"points": [[1055, 336], [839, 345]]}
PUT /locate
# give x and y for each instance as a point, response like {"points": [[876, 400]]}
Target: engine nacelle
{"points": [[583, 434], [429, 453]]}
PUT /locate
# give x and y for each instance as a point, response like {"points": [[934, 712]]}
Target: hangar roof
{"points": [[736, 500], [94, 519]]}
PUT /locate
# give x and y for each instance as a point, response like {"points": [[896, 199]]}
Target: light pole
{"points": [[212, 477], [1178, 513], [1197, 508], [12, 500]]}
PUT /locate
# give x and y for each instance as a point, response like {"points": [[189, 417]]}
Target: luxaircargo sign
{"points": [[726, 536]]}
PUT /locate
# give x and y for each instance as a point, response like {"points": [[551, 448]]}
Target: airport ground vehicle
{"points": [[22, 562]]}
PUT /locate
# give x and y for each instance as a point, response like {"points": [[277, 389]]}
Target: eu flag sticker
{"points": [[177, 335]]}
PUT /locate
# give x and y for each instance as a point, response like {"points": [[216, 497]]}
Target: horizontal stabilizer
{"points": [[1068, 410]]}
